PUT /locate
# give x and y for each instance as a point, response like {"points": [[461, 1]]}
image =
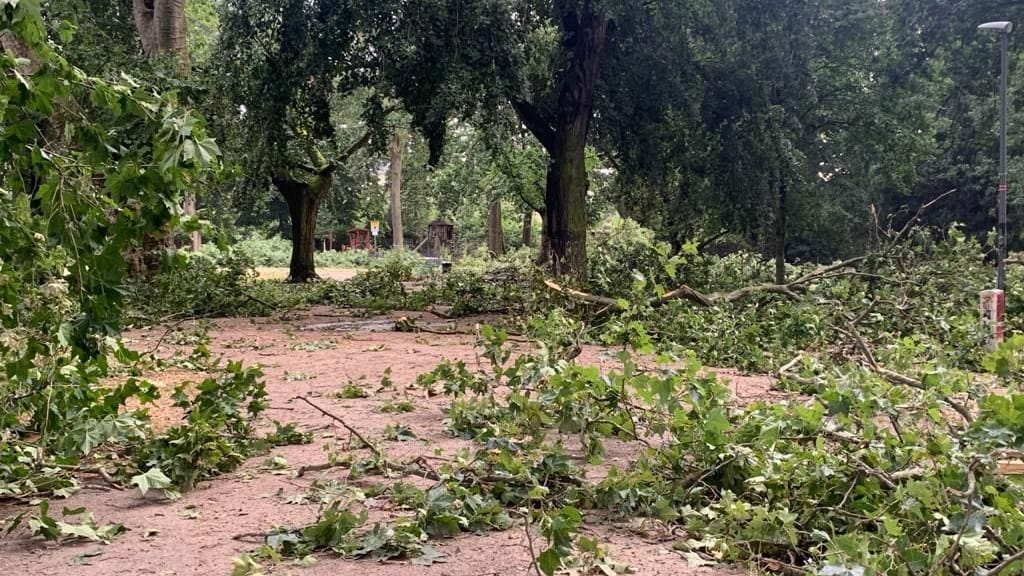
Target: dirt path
{"points": [[202, 532], [325, 272]]}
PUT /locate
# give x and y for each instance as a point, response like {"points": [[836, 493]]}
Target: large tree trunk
{"points": [[495, 233], [162, 28], [564, 136], [567, 213], [395, 184], [528, 227], [303, 199]]}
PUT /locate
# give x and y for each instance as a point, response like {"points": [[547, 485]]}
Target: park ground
{"points": [[314, 354], [337, 274]]}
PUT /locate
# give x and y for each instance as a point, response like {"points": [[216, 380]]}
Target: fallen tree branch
{"points": [[591, 298], [784, 373], [338, 419], [1018, 556], [319, 467], [685, 292], [788, 289], [917, 216], [895, 377]]}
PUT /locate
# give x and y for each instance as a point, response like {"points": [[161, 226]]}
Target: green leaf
{"points": [[428, 556], [245, 565], [154, 478], [549, 561]]}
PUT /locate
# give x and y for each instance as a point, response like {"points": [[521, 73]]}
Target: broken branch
{"points": [[338, 419]]}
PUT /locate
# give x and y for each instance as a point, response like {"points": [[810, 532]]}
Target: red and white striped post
{"points": [[993, 306]]}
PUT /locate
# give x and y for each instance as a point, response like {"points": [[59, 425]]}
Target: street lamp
{"points": [[1004, 29], [995, 303]]}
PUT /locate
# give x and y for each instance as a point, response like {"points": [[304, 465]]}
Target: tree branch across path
{"points": [[684, 292], [790, 289]]}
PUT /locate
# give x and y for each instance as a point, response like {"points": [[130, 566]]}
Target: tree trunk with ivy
{"points": [[303, 199], [528, 227], [163, 30], [563, 133]]}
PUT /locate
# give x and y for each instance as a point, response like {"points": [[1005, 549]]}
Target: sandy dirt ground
{"points": [[338, 274], [202, 533]]}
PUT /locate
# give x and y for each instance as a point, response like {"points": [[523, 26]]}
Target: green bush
{"points": [[217, 434], [200, 286], [276, 252]]}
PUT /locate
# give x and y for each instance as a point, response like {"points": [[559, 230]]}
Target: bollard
{"points": [[993, 306]]}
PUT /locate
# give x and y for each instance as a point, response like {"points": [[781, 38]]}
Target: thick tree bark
{"points": [[564, 136], [528, 227], [495, 233], [163, 28], [568, 213], [395, 184], [145, 25], [303, 199]]}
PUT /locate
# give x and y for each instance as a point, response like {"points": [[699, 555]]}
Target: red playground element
{"points": [[360, 239]]}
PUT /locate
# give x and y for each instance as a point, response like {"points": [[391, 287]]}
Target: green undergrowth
{"points": [[919, 294], [862, 476], [226, 285]]}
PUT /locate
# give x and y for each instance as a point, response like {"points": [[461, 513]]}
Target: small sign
{"points": [[375, 227]]}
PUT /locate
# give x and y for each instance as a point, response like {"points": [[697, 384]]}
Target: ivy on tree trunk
{"points": [[564, 135]]}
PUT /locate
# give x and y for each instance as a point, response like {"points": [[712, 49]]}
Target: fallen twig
{"points": [[338, 419], [319, 467], [1019, 555], [98, 471], [163, 336], [529, 544], [895, 377]]}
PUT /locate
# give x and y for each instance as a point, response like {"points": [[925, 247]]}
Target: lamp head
{"points": [[1004, 27]]}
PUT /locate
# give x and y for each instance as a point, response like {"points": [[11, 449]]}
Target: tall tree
{"points": [[288, 68], [495, 232], [774, 121], [163, 29], [542, 59], [395, 187]]}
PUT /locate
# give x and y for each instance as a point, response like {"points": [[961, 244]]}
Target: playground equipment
{"points": [[440, 236], [359, 239]]}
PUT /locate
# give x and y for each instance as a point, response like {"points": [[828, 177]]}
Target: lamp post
{"points": [[994, 303], [1004, 29]]}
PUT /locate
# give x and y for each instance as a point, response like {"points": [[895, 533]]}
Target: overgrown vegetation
{"points": [[870, 473], [93, 174], [890, 437]]}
